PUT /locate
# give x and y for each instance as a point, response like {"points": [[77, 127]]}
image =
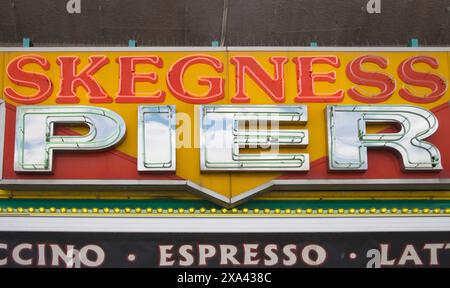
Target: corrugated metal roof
{"points": [[230, 22]]}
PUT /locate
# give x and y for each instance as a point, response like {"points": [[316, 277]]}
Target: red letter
{"points": [[28, 79], [274, 87], [406, 72], [306, 79], [216, 84], [70, 80], [382, 81], [128, 79]]}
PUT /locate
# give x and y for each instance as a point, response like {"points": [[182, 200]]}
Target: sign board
{"points": [[226, 124], [156, 250]]}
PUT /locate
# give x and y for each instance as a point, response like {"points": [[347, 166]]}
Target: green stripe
{"points": [[261, 204]]}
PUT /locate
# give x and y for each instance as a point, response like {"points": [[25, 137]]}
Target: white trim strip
{"points": [[342, 49], [112, 49], [224, 225], [221, 49]]}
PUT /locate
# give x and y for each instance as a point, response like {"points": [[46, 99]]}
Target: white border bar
{"points": [[225, 224], [222, 49]]}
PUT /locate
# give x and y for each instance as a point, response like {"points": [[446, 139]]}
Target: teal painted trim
{"points": [[414, 42], [26, 42], [110, 203], [325, 204], [215, 43], [261, 204], [313, 44], [132, 43]]}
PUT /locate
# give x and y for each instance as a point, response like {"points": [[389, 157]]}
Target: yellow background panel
{"points": [[188, 162]]}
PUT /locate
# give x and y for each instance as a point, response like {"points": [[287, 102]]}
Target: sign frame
{"points": [[189, 186]]}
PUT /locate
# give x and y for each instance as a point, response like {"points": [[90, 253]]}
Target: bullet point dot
{"points": [[131, 257]]}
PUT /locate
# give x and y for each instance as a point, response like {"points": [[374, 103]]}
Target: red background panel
{"points": [[113, 164], [386, 163], [109, 164]]}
